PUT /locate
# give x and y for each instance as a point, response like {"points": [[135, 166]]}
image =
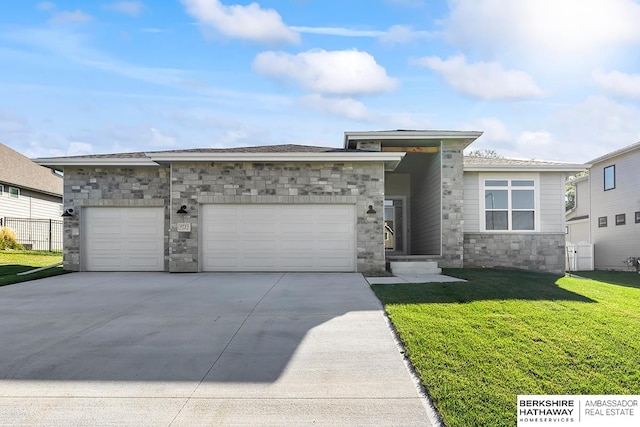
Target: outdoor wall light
{"points": [[68, 213], [182, 210], [371, 210]]}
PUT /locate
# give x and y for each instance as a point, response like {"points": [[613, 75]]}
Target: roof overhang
{"points": [[390, 160], [410, 138], [58, 162], [567, 168]]}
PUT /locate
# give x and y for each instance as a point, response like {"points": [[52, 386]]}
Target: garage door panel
{"points": [[123, 239], [278, 238], [335, 245], [106, 246]]}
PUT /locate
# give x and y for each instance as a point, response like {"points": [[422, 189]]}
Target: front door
{"points": [[394, 225]]}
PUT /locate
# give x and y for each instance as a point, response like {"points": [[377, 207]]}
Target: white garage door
{"points": [[278, 238], [123, 239]]}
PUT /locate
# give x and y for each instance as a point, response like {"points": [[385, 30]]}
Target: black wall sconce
{"points": [[371, 211], [68, 213], [182, 210]]}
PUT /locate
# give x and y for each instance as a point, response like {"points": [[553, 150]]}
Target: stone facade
{"points": [[452, 204], [533, 251], [196, 183], [361, 184], [109, 187]]}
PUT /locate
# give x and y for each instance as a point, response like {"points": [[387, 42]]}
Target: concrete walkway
{"points": [[201, 349], [406, 278]]}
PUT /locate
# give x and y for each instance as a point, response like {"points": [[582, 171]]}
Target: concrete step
{"points": [[414, 267]]}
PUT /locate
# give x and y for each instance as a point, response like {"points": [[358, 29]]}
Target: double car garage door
{"points": [[233, 238]]}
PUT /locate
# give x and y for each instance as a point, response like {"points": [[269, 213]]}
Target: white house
{"points": [[607, 209]]}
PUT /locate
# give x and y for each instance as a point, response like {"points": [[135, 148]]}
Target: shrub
{"points": [[8, 239]]}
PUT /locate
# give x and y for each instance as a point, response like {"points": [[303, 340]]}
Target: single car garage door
{"points": [[123, 239], [278, 237]]}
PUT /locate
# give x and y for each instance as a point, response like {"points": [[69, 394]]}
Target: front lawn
{"points": [[476, 345], [16, 261]]}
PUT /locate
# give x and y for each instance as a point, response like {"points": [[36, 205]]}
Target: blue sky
{"points": [[544, 79]]}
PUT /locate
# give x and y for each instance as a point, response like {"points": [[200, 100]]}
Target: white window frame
{"points": [[1, 189], [16, 195], [509, 178]]}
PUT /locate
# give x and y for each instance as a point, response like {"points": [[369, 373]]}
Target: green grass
{"points": [[477, 345], [16, 261]]}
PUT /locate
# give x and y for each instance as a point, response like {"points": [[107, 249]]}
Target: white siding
{"points": [[551, 202], [29, 205], [471, 202], [614, 243], [578, 231], [583, 199], [426, 208]]}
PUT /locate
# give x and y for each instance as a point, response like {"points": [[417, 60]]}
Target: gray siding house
{"points": [[28, 190], [386, 196], [607, 211]]}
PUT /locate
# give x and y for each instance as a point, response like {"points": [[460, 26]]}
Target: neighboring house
{"points": [[302, 208], [607, 208], [578, 222], [28, 190]]}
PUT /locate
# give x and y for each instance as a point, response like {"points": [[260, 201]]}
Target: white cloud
{"points": [[249, 22], [401, 34], [533, 141], [597, 126], [544, 27], [67, 17], [407, 3], [158, 139], [132, 8], [341, 107], [346, 72], [397, 34], [12, 125], [79, 149], [46, 5], [484, 80], [619, 84], [339, 31], [494, 130]]}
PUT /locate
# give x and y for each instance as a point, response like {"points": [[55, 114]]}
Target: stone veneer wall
{"points": [[452, 204], [534, 251], [361, 184], [110, 186]]}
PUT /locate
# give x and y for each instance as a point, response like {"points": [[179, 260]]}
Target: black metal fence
{"points": [[36, 234]]}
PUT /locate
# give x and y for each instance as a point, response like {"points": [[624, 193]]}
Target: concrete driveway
{"points": [[201, 349]]}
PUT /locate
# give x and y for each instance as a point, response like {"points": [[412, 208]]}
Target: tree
{"points": [[570, 191], [485, 153]]}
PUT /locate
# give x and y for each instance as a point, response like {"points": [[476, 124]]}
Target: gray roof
{"points": [[20, 171], [477, 164], [285, 148], [622, 150], [479, 161]]}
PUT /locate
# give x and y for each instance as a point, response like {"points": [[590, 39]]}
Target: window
{"points": [[610, 177], [14, 192], [1, 189], [621, 219], [638, 217], [602, 221], [509, 204]]}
